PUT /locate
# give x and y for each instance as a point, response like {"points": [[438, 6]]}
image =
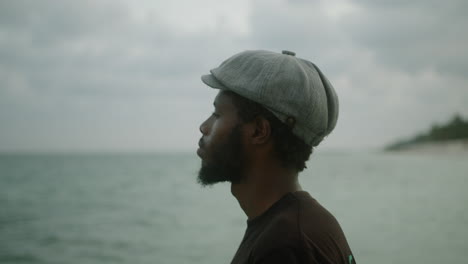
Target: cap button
{"points": [[287, 52], [290, 122]]}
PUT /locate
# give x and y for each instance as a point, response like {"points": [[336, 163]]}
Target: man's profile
{"points": [[270, 111]]}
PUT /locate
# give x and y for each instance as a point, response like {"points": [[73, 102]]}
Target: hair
{"points": [[292, 151]]}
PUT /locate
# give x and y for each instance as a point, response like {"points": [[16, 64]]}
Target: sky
{"points": [[114, 75]]}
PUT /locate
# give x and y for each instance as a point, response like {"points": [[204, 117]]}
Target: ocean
{"points": [[148, 208]]}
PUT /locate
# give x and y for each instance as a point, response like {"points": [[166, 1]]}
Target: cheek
{"points": [[219, 131], [213, 137]]}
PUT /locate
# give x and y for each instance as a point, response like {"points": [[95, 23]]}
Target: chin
{"points": [[204, 162]]}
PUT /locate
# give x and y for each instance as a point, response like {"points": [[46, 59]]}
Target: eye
{"points": [[215, 114]]}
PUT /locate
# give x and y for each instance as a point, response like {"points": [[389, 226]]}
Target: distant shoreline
{"points": [[449, 138], [457, 146]]}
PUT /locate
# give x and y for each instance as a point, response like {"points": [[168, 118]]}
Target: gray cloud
{"points": [[302, 26], [91, 75], [397, 66], [113, 75], [88, 45], [413, 35]]}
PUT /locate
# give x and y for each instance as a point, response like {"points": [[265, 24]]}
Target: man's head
{"points": [[276, 102], [237, 127]]}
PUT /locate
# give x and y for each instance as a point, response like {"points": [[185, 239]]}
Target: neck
{"points": [[262, 188]]}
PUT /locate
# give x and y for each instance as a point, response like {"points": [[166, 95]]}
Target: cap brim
{"points": [[211, 81]]}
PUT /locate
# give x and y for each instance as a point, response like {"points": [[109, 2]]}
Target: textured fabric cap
{"points": [[293, 89]]}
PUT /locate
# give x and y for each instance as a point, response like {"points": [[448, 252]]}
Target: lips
{"points": [[200, 150]]}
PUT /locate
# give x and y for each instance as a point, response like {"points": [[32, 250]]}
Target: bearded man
{"points": [[270, 111]]}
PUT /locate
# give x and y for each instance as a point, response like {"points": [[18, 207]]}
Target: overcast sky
{"points": [[125, 75]]}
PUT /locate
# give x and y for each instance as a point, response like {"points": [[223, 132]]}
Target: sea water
{"points": [[148, 208]]}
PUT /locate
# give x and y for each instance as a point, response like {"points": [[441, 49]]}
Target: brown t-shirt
{"points": [[296, 229]]}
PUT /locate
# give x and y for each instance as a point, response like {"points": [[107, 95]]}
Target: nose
{"points": [[204, 127]]}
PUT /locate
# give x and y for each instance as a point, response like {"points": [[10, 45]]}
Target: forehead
{"points": [[224, 100]]}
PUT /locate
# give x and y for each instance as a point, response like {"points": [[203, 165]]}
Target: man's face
{"points": [[221, 144]]}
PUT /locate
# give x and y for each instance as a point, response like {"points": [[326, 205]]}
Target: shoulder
{"points": [[320, 231], [313, 218], [280, 231], [303, 220], [303, 229]]}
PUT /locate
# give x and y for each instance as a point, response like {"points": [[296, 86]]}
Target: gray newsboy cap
{"points": [[293, 89]]}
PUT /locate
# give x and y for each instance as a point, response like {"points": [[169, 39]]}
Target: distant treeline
{"points": [[457, 128]]}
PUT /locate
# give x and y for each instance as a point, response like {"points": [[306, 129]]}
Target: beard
{"points": [[227, 161]]}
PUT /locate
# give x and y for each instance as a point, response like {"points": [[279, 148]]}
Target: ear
{"points": [[261, 131]]}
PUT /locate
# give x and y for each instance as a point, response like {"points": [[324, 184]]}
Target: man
{"points": [[271, 110]]}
